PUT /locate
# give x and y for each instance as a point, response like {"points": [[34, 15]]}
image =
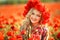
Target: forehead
{"points": [[36, 12]]}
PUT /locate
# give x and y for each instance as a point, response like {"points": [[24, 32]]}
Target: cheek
{"points": [[31, 17], [38, 18]]}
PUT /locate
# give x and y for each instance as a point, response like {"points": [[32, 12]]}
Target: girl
{"points": [[34, 24]]}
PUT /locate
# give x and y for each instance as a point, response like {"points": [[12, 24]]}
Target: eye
{"points": [[33, 13], [39, 15]]}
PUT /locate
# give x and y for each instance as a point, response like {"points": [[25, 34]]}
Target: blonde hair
{"points": [[26, 21]]}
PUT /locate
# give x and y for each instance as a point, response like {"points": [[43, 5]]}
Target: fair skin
{"points": [[35, 17]]}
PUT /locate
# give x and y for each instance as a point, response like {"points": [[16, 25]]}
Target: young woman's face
{"points": [[35, 17]]}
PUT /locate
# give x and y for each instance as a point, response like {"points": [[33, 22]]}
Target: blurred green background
{"points": [[22, 1]]}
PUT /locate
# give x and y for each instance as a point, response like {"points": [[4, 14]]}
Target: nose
{"points": [[34, 16]]}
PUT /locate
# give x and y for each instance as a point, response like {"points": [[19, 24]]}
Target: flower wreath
{"points": [[37, 5]]}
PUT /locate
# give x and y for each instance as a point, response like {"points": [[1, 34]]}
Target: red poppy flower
{"points": [[12, 23], [14, 20], [34, 37], [55, 27], [12, 38], [10, 33], [1, 36], [51, 38], [54, 19], [11, 17], [50, 23], [23, 32], [14, 28], [18, 14], [58, 35], [30, 39], [2, 31], [0, 23], [2, 26], [7, 23], [33, 0], [19, 37]]}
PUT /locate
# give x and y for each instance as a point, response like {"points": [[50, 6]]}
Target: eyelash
{"points": [[33, 13], [36, 15]]}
